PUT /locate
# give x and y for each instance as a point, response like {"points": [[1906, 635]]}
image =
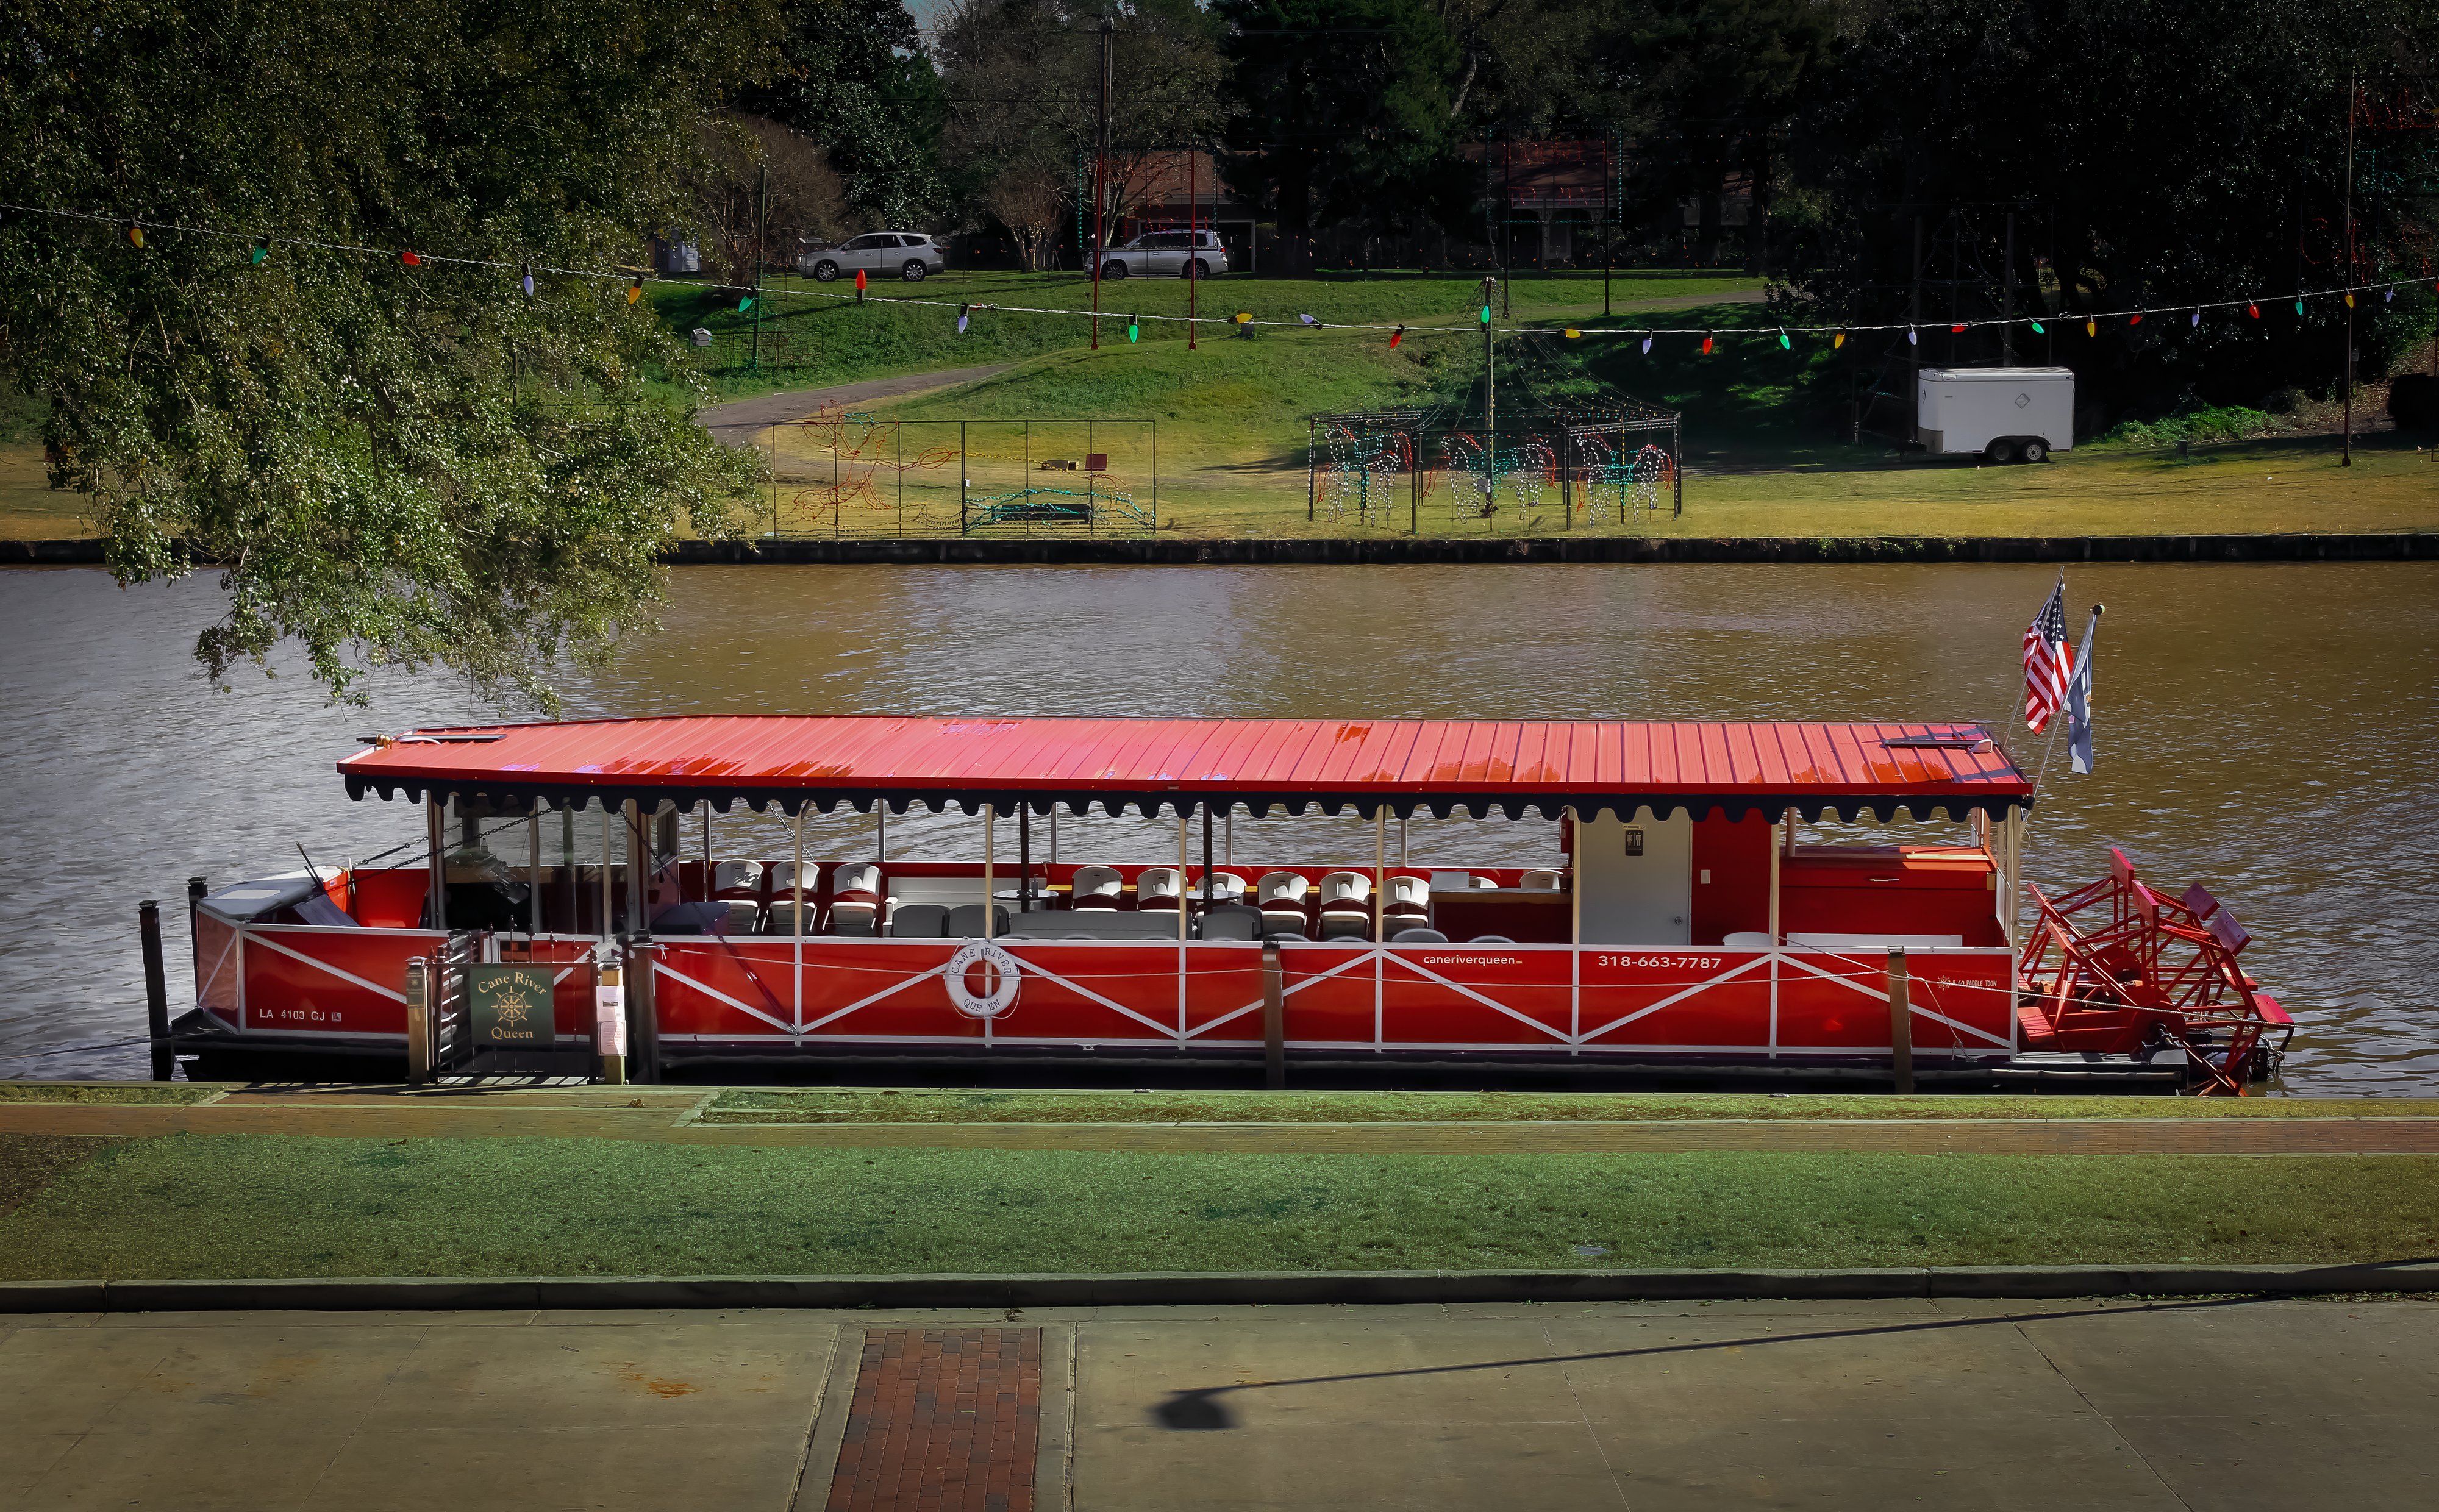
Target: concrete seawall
{"points": [[1183, 551]]}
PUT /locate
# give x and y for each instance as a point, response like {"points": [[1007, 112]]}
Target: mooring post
{"points": [[156, 990], [1901, 1020], [418, 1021], [643, 1012], [1275, 1020], [610, 1017]]}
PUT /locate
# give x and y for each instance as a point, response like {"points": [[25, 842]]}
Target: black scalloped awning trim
{"points": [[1812, 807]]}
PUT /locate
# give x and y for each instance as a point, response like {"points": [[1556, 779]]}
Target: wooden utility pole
{"points": [[762, 236], [1193, 249], [2346, 430], [1100, 172]]}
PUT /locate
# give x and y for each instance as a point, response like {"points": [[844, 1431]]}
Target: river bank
{"points": [[2398, 545]]}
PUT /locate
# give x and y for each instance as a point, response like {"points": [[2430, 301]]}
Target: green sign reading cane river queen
{"points": [[509, 1006]]}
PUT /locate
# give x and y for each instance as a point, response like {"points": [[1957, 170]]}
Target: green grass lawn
{"points": [[104, 1091], [194, 1205], [1765, 458], [963, 1106]]}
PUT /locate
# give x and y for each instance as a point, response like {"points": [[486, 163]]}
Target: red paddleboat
{"points": [[1682, 926]]}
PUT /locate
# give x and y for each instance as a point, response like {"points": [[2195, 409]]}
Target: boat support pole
{"points": [[1776, 851], [609, 900], [533, 869], [991, 812], [1900, 1021], [436, 837]]}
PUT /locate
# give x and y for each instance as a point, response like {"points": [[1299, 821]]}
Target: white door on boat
{"points": [[1637, 879]]}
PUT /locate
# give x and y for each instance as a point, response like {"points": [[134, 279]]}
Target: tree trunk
{"points": [[1757, 219]]}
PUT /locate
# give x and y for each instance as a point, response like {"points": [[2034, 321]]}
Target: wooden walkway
{"points": [[670, 1116]]}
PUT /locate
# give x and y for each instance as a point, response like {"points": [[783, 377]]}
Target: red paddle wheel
{"points": [[2117, 967]]}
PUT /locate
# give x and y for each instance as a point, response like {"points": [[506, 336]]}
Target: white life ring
{"points": [[999, 969]]}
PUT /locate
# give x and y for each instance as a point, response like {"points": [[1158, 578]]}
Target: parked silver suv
{"points": [[910, 254], [1167, 255]]}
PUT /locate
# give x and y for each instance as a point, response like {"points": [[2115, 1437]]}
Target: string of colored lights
{"points": [[1838, 334]]}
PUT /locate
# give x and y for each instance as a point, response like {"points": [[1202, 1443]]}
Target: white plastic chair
{"points": [[732, 879], [1158, 887], [783, 878], [1096, 887], [1280, 896], [1346, 892], [855, 898], [1409, 901], [1226, 887], [1538, 882]]}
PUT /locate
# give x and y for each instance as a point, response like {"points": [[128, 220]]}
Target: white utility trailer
{"points": [[2003, 413]]}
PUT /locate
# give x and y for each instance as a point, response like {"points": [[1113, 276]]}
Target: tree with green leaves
{"points": [[852, 75], [1348, 109], [396, 451], [2154, 152]]}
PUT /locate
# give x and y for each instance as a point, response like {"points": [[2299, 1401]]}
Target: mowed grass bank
{"points": [[231, 1206], [968, 1106], [816, 334]]}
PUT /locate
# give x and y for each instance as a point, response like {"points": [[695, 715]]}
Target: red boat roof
{"points": [[1153, 764]]}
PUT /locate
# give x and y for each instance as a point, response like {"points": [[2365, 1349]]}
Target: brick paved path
{"points": [[662, 1115], [942, 1418]]}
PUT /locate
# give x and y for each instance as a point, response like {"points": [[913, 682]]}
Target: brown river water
{"points": [[2269, 730]]}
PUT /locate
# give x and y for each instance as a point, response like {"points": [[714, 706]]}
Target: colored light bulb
{"points": [[2092, 328], [1837, 341], [1785, 345], [2039, 330], [1398, 335]]}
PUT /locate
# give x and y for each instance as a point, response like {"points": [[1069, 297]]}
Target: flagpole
{"points": [[2016, 705], [2082, 659]]}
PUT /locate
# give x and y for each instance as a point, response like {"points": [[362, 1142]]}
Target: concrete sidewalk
{"points": [[2280, 1405]]}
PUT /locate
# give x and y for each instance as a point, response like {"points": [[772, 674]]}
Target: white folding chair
{"points": [[736, 878], [1280, 896], [1226, 887], [1538, 882], [1096, 887], [1159, 887]]}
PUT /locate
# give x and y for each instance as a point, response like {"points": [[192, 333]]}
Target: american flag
{"points": [[2047, 665]]}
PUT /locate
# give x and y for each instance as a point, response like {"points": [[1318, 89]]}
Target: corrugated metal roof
{"points": [[1510, 766]]}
